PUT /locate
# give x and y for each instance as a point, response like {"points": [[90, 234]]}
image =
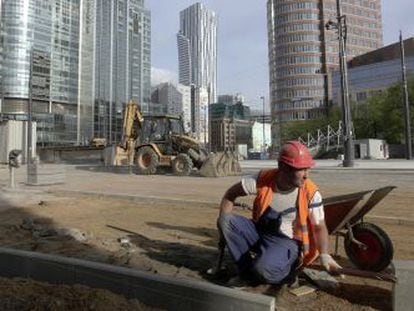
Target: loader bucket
{"points": [[220, 164]]}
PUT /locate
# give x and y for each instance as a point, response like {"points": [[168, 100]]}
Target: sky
{"points": [[242, 41]]}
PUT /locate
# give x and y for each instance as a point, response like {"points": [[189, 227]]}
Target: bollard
{"points": [[15, 159], [12, 183]]}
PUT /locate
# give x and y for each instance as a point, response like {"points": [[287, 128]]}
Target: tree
{"points": [[379, 117], [295, 129], [383, 117]]}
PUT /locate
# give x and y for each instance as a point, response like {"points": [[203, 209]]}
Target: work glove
{"points": [[329, 263]]}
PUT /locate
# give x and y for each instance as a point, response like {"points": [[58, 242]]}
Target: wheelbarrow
{"points": [[367, 246]]}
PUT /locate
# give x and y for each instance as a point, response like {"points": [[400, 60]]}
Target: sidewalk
{"points": [[394, 164], [95, 180]]}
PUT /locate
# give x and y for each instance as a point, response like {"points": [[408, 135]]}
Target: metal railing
{"points": [[326, 140]]}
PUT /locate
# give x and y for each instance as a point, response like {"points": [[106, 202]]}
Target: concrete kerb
{"points": [[403, 299], [137, 198], [152, 290]]}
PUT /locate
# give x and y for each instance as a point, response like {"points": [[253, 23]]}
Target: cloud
{"points": [[159, 75]]}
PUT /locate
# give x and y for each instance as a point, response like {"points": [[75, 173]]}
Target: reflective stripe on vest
{"points": [[302, 231]]}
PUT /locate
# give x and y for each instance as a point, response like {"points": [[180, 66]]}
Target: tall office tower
{"points": [[41, 42], [197, 55], [122, 62], [303, 53]]}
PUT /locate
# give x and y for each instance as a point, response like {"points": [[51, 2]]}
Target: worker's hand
{"points": [[329, 263]]}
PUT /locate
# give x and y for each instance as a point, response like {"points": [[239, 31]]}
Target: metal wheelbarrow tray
{"points": [[367, 245]]}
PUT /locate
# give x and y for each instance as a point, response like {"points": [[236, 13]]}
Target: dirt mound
{"points": [[22, 294]]}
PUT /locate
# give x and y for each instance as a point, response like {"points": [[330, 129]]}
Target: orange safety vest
{"points": [[303, 229]]}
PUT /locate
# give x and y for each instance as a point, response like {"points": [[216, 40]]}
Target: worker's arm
{"points": [[321, 234], [227, 202]]}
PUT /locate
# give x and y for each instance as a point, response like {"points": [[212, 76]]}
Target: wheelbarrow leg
{"points": [[221, 251]]}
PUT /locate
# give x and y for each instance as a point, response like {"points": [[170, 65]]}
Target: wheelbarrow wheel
{"points": [[377, 254]]}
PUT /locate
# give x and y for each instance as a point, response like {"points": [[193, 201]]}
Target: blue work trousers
{"points": [[274, 254]]}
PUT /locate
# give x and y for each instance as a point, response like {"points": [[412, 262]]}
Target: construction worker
{"points": [[287, 228]]}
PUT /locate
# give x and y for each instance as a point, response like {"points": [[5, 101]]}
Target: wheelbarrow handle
{"points": [[381, 276]]}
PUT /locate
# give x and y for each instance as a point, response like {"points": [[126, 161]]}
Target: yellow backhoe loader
{"points": [[160, 140]]}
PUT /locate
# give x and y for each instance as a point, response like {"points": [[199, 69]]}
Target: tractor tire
{"points": [[182, 165], [147, 161], [379, 252]]}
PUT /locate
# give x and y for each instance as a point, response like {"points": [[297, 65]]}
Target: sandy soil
{"points": [[23, 294], [176, 239]]}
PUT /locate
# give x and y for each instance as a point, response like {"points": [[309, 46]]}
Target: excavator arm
{"points": [[132, 115], [126, 150]]}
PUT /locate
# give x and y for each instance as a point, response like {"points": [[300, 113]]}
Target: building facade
{"points": [[303, 53], [197, 48], [197, 61], [261, 136], [78, 61], [223, 134], [373, 73], [122, 63], [200, 114], [40, 60], [230, 124], [185, 105], [166, 98], [225, 110], [230, 99]]}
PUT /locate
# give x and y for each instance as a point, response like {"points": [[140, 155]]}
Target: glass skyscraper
{"points": [[122, 62], [40, 44], [197, 49], [197, 62], [84, 60]]}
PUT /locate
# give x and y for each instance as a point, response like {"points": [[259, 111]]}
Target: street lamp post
{"points": [[205, 126], [340, 25], [263, 120], [30, 167], [29, 112], [406, 105]]}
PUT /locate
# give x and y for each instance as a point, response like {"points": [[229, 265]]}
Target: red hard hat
{"points": [[297, 155]]}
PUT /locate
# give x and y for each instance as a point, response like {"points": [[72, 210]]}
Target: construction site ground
{"points": [[167, 225]]}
